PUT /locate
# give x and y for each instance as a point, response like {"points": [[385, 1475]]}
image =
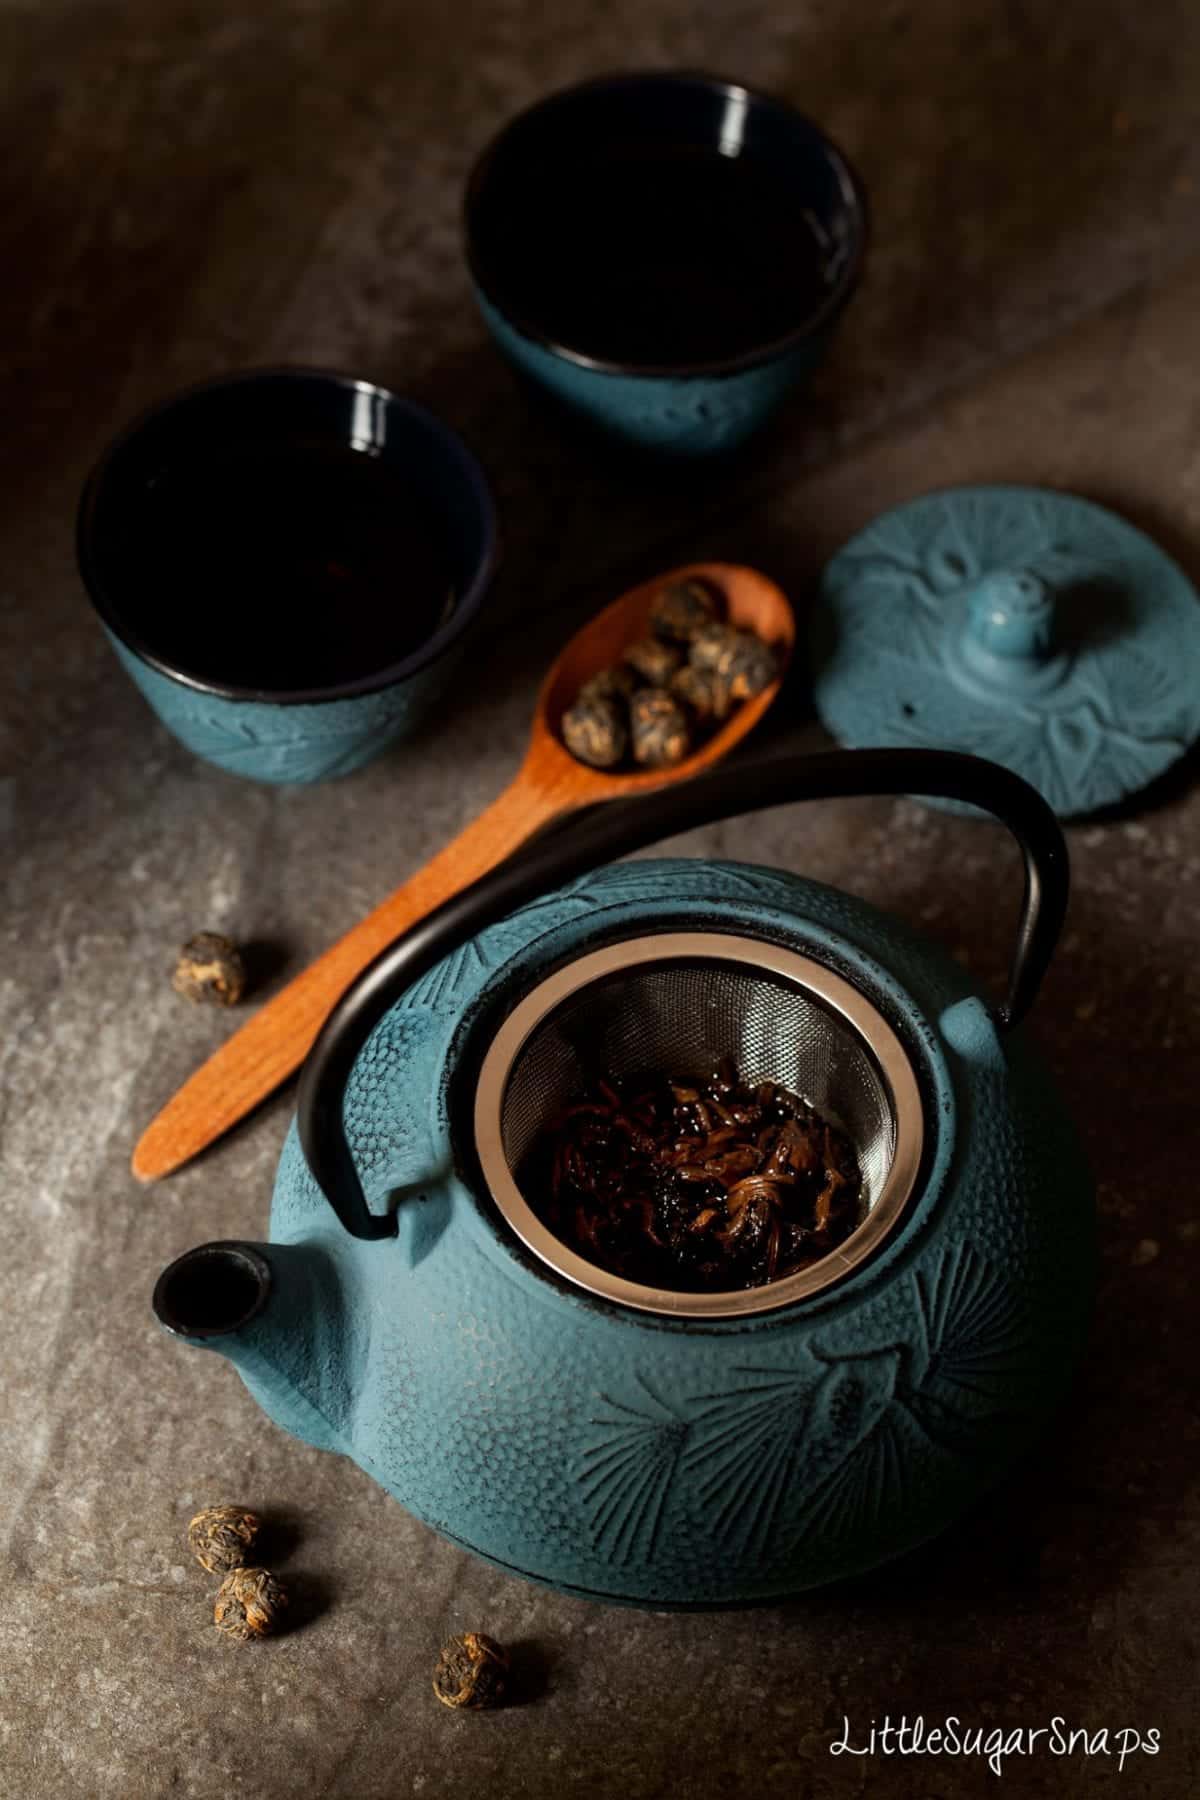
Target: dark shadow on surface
{"points": [[280, 1535], [1161, 527], [1008, 1552], [1164, 530], [1064, 1527], [310, 1597], [533, 1663], [582, 514], [1090, 614], [265, 959]]}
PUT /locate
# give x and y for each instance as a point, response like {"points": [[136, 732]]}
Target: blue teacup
{"points": [[665, 253], [288, 563]]}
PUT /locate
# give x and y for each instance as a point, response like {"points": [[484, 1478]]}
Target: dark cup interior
{"points": [[664, 222], [287, 534]]}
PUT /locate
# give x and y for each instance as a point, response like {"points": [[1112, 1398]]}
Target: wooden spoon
{"points": [[272, 1044]]}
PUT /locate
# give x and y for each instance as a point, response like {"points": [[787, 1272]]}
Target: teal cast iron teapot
{"points": [[648, 1446]]}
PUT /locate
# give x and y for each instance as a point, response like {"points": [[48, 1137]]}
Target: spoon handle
{"points": [[273, 1043]]}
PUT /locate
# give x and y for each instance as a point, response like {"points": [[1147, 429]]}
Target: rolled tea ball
{"points": [[704, 694], [471, 1671], [617, 683], [596, 732], [210, 967], [752, 667], [249, 1603], [220, 1537], [660, 730], [679, 611], [713, 648], [654, 661]]}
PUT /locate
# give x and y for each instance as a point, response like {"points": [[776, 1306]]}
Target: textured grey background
{"points": [[182, 191]]}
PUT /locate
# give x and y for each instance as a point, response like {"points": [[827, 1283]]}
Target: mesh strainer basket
{"points": [[678, 1002]]}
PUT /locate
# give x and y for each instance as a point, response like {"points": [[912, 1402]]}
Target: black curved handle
{"points": [[616, 829]]}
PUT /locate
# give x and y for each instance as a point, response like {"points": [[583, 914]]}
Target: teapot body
{"points": [[665, 1462]]}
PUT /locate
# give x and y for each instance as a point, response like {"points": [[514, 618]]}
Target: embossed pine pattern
{"points": [[892, 613], [626, 1473]]}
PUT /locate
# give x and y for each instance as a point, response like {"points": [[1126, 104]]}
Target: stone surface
{"points": [[184, 190]]}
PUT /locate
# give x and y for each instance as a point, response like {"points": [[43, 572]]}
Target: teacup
{"points": [[665, 253], [288, 563]]}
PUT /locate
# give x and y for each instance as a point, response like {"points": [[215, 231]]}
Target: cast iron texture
{"points": [[634, 1459], [681, 410], [267, 741], [284, 736], [1031, 627]]}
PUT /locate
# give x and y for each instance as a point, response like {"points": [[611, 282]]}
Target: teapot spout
{"points": [[213, 1292], [276, 1311]]}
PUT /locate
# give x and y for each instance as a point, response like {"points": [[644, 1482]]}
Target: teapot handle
{"points": [[609, 831]]}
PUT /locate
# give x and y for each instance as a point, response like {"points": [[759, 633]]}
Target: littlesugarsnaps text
{"points": [[996, 1744]]}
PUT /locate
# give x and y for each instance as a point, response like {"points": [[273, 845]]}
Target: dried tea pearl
{"points": [[249, 1602], [210, 968], [595, 732], [713, 648], [471, 1671], [610, 684], [220, 1537], [678, 612], [660, 729], [753, 666], [655, 662], [703, 693]]}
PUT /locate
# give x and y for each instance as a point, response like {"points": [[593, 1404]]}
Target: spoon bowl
{"points": [[753, 603], [549, 783]]}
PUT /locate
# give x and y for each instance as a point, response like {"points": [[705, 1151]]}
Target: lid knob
{"points": [[1006, 641], [1011, 615]]}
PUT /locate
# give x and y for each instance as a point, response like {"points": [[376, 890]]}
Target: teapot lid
{"points": [[1028, 626]]}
